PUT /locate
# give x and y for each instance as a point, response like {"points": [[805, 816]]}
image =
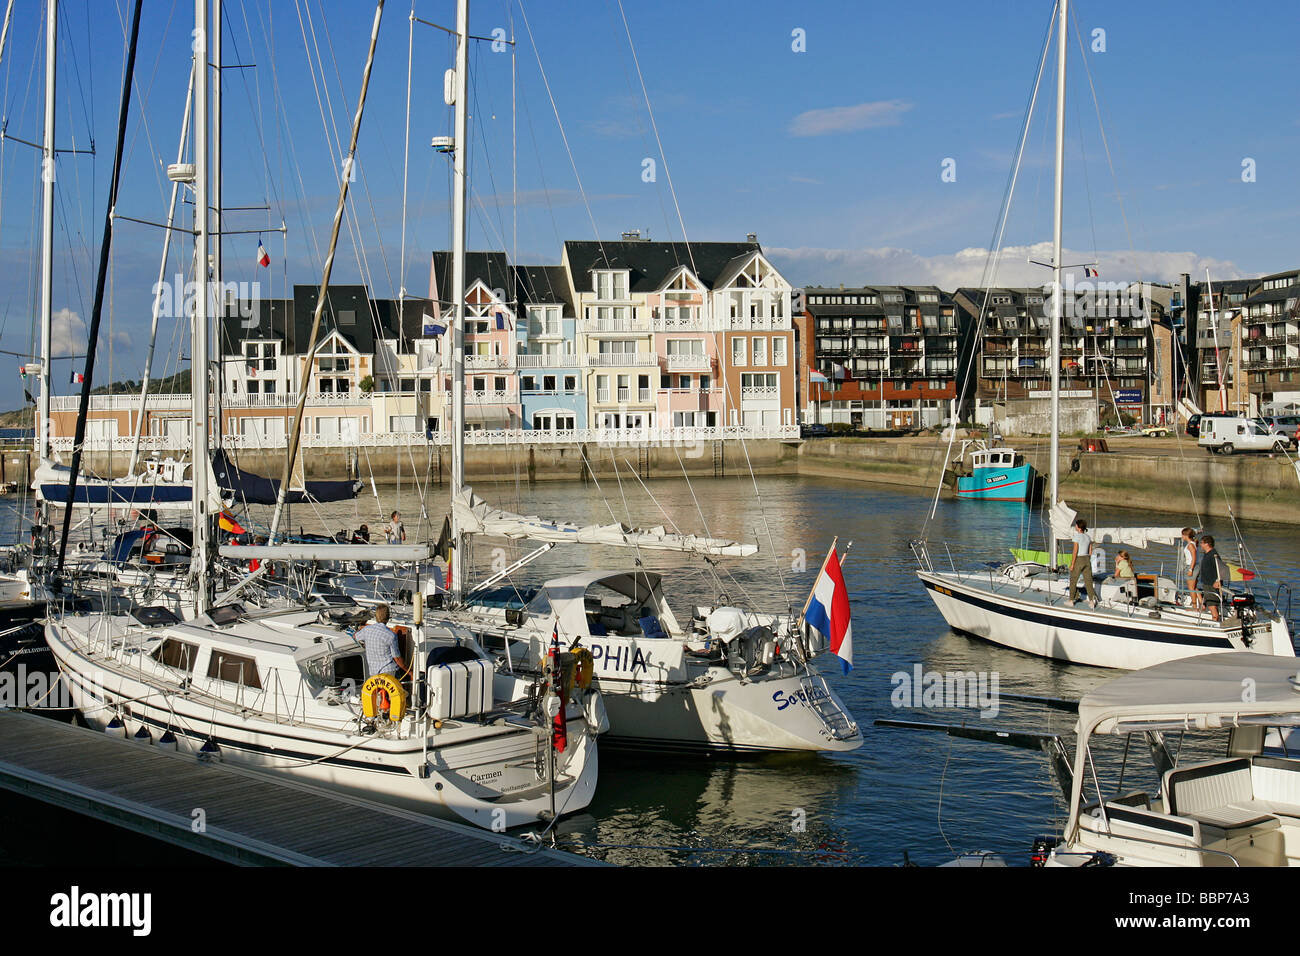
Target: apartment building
{"points": [[889, 355], [1270, 341]]}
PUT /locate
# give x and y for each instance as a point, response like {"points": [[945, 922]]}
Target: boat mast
{"points": [[218, 228], [202, 304], [1058, 295], [47, 228], [1214, 330], [458, 287], [313, 341], [162, 277]]}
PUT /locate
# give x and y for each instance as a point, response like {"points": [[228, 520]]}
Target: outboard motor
{"points": [[752, 652], [1243, 605]]}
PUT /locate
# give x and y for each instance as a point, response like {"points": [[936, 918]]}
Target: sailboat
{"points": [[1025, 604], [287, 690]]}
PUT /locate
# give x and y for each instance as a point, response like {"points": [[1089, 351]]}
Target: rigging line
{"points": [[990, 263], [406, 154], [563, 135], [655, 126]]}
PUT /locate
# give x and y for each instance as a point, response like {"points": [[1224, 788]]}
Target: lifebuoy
{"points": [[584, 667], [389, 686]]}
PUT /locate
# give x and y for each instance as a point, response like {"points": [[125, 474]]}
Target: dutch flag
{"points": [[828, 610]]}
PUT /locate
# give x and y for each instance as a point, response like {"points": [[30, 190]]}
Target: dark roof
{"points": [[544, 284], [360, 319], [519, 285], [650, 263]]}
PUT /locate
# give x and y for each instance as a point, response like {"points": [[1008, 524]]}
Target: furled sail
{"points": [[475, 516], [1136, 537], [247, 488]]}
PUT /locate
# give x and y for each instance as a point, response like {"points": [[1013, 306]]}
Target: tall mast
{"points": [[159, 300], [1058, 294], [202, 304], [47, 228], [458, 288], [218, 227]]}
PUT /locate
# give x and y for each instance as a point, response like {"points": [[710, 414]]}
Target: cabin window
{"points": [[234, 668], [177, 654]]}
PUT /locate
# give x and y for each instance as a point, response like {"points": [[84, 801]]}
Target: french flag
{"points": [[263, 259], [1090, 272], [828, 610]]}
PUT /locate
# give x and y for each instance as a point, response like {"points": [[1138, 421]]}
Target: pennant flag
{"points": [[77, 378], [817, 378], [1238, 573], [828, 610], [262, 258], [227, 522], [1090, 272], [432, 326], [443, 548]]}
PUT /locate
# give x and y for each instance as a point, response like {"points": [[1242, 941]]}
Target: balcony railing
{"points": [[687, 362], [546, 361], [621, 359], [615, 326]]}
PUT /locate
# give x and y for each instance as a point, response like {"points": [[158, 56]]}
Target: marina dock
{"points": [[236, 815]]}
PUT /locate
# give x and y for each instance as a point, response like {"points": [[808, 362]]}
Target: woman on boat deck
{"points": [[1081, 563], [1187, 558]]}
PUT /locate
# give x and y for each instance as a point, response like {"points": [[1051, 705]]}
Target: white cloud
{"points": [[68, 335], [846, 119], [967, 267]]}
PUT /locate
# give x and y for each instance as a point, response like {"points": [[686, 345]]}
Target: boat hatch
{"points": [[154, 616]]}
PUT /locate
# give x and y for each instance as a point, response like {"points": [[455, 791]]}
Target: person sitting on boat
{"points": [[1187, 559], [1081, 563], [1210, 577], [361, 535], [1124, 565], [383, 651]]}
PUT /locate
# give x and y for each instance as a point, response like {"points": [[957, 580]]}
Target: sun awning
{"points": [[308, 551], [475, 516], [1062, 516]]}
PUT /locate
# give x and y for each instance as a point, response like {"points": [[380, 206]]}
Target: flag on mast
{"points": [[263, 259], [828, 611]]}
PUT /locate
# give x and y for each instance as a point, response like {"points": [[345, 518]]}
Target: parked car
{"points": [[1228, 434], [1285, 425], [1194, 423], [813, 430]]}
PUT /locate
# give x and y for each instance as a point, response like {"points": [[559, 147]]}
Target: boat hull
{"points": [[997, 484], [1097, 638], [490, 780]]}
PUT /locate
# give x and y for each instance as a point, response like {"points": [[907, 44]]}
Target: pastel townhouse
{"points": [[491, 385], [550, 368]]}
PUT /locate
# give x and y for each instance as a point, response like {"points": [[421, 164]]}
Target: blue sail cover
{"points": [[255, 490]]}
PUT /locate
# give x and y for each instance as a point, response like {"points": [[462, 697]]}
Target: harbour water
{"points": [[922, 794]]}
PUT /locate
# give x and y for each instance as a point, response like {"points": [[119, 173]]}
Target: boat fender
{"points": [[584, 667], [388, 685]]}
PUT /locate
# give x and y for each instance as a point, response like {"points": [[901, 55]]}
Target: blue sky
{"points": [[832, 155]]}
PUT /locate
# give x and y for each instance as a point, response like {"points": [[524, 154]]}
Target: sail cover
{"points": [[1135, 537], [248, 488], [475, 516]]}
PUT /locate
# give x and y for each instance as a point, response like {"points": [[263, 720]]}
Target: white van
{"points": [[1228, 434]]}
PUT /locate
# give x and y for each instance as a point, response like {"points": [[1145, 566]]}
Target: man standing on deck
{"points": [[1081, 563], [1210, 577], [396, 530]]}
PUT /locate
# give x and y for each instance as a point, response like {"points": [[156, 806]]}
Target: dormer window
{"points": [[610, 285]]}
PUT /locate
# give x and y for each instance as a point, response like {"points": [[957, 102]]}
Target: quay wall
{"points": [[1165, 476]]}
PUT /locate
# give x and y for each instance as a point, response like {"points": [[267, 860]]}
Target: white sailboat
{"points": [[287, 691], [754, 690], [1025, 605]]}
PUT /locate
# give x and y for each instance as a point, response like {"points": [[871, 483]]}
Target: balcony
{"points": [[490, 397], [759, 391], [546, 361], [615, 326], [687, 362], [489, 362], [621, 359]]}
